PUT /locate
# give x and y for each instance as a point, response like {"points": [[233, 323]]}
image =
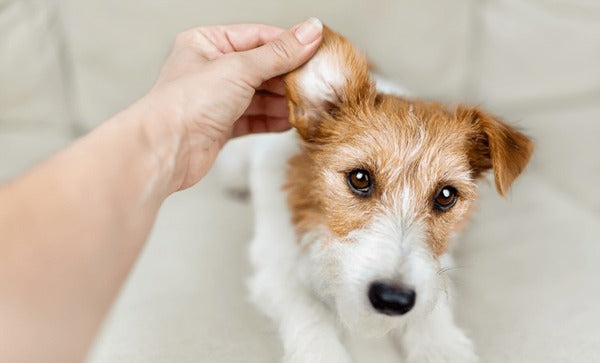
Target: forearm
{"points": [[89, 210]]}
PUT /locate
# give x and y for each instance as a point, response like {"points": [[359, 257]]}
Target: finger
{"points": [[214, 41], [267, 104], [273, 85], [259, 124], [243, 37], [285, 53]]}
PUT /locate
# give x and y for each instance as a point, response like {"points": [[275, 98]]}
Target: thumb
{"points": [[285, 53]]}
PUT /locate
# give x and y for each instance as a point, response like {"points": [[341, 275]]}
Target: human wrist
{"points": [[162, 135]]}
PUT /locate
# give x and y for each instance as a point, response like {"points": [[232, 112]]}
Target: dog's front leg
{"points": [[307, 328], [310, 332], [436, 338]]}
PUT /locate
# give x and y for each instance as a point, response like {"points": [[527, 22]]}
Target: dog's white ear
{"points": [[337, 76], [496, 145]]}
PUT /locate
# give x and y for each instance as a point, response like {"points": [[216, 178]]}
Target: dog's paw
{"points": [[322, 351], [443, 357], [459, 350]]}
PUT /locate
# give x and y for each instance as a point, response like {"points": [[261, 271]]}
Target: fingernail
{"points": [[309, 31]]}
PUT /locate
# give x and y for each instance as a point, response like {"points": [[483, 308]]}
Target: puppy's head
{"points": [[382, 183]]}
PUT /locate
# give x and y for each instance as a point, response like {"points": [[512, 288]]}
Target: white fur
{"points": [[322, 79], [389, 87], [315, 291]]}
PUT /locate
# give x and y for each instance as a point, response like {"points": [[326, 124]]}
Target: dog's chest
{"points": [[369, 350]]}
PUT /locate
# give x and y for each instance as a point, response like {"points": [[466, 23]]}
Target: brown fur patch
{"points": [[496, 145]]}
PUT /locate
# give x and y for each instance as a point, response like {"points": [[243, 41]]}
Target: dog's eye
{"points": [[360, 182], [445, 198]]}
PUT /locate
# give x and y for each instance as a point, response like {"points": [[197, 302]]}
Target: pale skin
{"points": [[71, 228]]}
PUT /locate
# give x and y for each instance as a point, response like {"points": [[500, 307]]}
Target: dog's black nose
{"points": [[391, 300]]}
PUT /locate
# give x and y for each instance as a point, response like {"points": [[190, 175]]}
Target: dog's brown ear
{"points": [[496, 145], [335, 77]]}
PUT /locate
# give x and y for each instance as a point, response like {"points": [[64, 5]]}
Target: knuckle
{"points": [[281, 50], [193, 36], [198, 40], [184, 37]]}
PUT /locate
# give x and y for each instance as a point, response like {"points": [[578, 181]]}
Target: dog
{"points": [[356, 208]]}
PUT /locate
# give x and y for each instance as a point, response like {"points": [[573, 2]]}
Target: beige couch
{"points": [[528, 282]]}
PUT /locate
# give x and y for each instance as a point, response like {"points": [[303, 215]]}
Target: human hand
{"points": [[221, 82]]}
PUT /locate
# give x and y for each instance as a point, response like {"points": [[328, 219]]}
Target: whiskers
{"points": [[443, 270]]}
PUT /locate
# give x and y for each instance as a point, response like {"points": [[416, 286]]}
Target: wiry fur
{"points": [[318, 246]]}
